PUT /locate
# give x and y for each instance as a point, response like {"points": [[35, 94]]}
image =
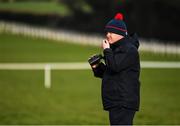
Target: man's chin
{"points": [[110, 42]]}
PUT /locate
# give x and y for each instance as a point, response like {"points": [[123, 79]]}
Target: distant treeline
{"points": [[25, 0], [157, 19]]}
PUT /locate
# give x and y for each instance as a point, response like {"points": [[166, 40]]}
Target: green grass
{"points": [[15, 48], [159, 97], [146, 56], [69, 101], [36, 7], [23, 49], [75, 96]]}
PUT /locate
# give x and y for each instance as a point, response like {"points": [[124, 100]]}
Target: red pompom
{"points": [[119, 16]]}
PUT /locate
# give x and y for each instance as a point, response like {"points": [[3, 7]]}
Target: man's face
{"points": [[112, 37]]}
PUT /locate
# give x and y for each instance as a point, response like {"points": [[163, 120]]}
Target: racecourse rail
{"points": [[79, 65], [80, 38], [47, 67]]}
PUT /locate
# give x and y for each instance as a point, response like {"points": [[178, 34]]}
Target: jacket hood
{"points": [[134, 40]]}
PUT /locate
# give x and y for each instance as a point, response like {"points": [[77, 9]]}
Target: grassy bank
{"points": [[42, 7]]}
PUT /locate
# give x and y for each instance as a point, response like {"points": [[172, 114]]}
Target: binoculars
{"points": [[95, 59]]}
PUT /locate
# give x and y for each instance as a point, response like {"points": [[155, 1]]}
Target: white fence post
{"points": [[47, 78]]}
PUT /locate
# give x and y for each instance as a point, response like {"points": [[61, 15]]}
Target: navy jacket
{"points": [[120, 74]]}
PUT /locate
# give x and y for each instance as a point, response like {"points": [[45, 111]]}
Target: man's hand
{"points": [[105, 44], [94, 66]]}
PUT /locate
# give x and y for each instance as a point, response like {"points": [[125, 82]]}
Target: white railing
{"points": [[74, 37], [47, 67], [57, 35]]}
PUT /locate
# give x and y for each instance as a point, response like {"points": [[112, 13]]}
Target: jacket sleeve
{"points": [[99, 70], [120, 60]]}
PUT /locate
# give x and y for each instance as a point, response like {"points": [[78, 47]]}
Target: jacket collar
{"points": [[119, 44]]}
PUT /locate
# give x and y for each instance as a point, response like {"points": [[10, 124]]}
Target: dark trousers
{"points": [[121, 116]]}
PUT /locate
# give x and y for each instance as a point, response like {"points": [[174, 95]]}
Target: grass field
{"points": [[36, 7], [75, 96]]}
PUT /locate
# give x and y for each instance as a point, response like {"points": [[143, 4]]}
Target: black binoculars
{"points": [[95, 59]]}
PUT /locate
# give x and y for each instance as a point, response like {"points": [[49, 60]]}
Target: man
{"points": [[120, 73]]}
